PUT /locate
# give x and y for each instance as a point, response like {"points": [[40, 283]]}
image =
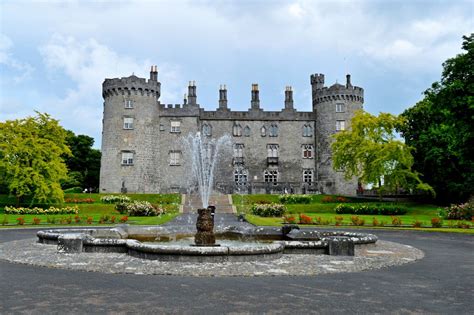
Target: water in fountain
{"points": [[205, 152]]}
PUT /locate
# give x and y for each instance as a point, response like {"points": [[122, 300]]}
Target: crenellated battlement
{"points": [[339, 92], [131, 85]]}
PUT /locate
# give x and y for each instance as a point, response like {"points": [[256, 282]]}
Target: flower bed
{"points": [[138, 209], [268, 210], [463, 211], [115, 199], [372, 209], [36, 210]]}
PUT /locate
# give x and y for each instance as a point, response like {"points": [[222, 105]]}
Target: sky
{"points": [[54, 55]]}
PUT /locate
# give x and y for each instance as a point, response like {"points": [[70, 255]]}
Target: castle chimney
{"points": [[192, 93], [348, 81], [255, 102], [223, 97], [185, 99], [154, 73], [288, 97]]}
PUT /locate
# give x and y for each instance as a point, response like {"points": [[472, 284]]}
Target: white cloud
{"points": [[87, 63], [20, 70]]}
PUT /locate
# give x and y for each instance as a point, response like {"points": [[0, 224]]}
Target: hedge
{"points": [[371, 209]]}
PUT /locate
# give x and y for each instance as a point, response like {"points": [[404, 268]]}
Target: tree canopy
{"points": [[371, 152], [83, 164], [440, 128], [31, 157]]}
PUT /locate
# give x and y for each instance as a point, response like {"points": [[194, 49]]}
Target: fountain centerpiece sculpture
{"points": [[205, 156]]}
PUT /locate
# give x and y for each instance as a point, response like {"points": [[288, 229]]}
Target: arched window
{"points": [[308, 176], [240, 176], [270, 176], [207, 130], [307, 130], [237, 130], [273, 130], [263, 131], [247, 131]]}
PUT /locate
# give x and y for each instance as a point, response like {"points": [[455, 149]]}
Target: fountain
{"points": [[205, 156], [238, 243]]}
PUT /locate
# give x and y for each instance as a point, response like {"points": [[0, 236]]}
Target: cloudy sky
{"points": [[54, 55]]}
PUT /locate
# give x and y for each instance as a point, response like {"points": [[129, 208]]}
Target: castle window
{"points": [[127, 158], [162, 127], [175, 126], [340, 125], [127, 123], [263, 131], [128, 104], [270, 176], [308, 176], [273, 132], [339, 108], [175, 158], [272, 150], [238, 150], [247, 131], [207, 130], [307, 130], [237, 130], [308, 151], [240, 177]]}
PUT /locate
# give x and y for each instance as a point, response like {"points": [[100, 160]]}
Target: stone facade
{"points": [[272, 152]]}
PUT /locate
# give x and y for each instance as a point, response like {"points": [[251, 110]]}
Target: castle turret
{"points": [[255, 99], [130, 107], [334, 108]]}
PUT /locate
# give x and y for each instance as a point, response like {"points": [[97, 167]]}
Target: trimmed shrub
{"points": [[289, 198], [338, 219], [463, 211], [357, 221], [417, 224], [36, 210], [436, 222], [371, 209], [289, 219], [304, 219], [138, 209], [79, 200], [123, 219], [115, 199], [268, 210], [73, 190], [396, 221]]}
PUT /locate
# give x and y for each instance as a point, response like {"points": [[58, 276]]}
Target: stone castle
{"points": [[273, 151]]}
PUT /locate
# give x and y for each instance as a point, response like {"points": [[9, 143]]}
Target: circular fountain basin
{"points": [[236, 245]]}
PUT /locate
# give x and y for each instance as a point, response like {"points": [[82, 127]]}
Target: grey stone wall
{"points": [[151, 140]]}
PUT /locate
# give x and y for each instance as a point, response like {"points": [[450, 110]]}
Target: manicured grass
{"points": [[324, 210], [346, 223], [169, 202]]}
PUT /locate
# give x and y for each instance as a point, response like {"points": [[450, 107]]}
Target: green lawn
{"points": [[319, 209], [169, 202]]}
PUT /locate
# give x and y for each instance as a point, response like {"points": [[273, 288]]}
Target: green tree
{"points": [[83, 164], [441, 129], [31, 163], [371, 152]]}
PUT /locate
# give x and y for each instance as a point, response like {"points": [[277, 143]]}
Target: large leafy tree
{"points": [[83, 164], [31, 163], [371, 151], [441, 129]]}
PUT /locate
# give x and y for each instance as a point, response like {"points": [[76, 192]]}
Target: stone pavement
{"points": [[440, 283]]}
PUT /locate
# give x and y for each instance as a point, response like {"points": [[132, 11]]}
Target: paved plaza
{"points": [[440, 283]]}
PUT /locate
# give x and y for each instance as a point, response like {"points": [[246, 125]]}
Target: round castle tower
{"points": [[129, 120], [334, 108]]}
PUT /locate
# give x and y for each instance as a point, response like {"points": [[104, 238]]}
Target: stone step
{"points": [[219, 209]]}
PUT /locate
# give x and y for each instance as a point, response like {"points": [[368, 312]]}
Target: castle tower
{"points": [[334, 108], [129, 123]]}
